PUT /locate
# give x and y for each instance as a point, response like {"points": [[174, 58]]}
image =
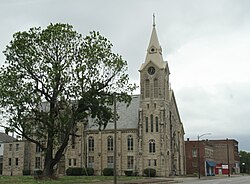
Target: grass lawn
{"points": [[62, 180]]}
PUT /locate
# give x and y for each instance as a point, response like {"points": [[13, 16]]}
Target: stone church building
{"points": [[150, 133]]}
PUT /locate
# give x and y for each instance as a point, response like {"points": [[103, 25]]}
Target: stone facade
{"points": [[21, 156], [150, 133], [13, 158], [152, 122], [102, 156], [4, 138]]}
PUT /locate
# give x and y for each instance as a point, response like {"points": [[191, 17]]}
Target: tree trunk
{"points": [[51, 157], [49, 169], [48, 161]]}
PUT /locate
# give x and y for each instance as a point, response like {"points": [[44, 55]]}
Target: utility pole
{"points": [[228, 159], [115, 132], [199, 161], [81, 145]]}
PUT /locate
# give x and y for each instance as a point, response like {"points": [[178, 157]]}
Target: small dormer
{"points": [[152, 50]]}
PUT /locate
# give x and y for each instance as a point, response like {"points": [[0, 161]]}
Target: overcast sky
{"points": [[206, 43]]}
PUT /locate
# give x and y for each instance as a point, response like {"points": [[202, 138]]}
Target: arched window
{"points": [[156, 124], [147, 88], [146, 124], [110, 143], [156, 85], [130, 143], [91, 144], [151, 123], [151, 146]]}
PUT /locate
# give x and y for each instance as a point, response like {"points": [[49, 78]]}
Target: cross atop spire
{"points": [[153, 20]]}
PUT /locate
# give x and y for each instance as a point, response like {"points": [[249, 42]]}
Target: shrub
{"points": [[26, 172], [38, 172], [90, 171], [128, 172], [195, 174], [149, 172], [136, 173], [108, 172], [75, 171], [68, 171]]}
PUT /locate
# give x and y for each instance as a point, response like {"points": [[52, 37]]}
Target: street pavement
{"points": [[234, 179]]}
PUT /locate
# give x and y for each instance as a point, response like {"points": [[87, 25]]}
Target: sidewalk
{"points": [[180, 179], [161, 180], [148, 181], [141, 181]]}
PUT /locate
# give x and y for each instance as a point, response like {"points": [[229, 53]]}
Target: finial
{"points": [[153, 20]]}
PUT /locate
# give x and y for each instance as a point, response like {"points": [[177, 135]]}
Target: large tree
{"points": [[54, 78], [245, 162]]}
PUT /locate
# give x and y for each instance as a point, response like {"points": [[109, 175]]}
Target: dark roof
{"points": [[5, 138], [128, 116]]}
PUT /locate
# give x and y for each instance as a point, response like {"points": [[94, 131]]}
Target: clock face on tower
{"points": [[151, 70]]}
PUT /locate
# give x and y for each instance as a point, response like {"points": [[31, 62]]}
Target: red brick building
{"points": [[205, 150], [214, 157], [226, 153]]}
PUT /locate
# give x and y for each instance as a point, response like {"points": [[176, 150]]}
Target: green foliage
{"points": [[26, 172], [244, 162], [90, 171], [150, 172], [38, 172], [128, 172], [64, 179], [54, 78], [75, 171], [78, 171], [108, 171]]}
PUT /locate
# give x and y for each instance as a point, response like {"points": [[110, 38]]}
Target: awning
{"points": [[211, 163]]}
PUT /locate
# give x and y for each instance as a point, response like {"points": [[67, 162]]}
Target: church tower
{"points": [[159, 121]]}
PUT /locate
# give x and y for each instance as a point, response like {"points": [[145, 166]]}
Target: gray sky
{"points": [[206, 43]]}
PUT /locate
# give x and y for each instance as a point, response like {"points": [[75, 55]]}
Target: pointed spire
{"points": [[154, 51]]}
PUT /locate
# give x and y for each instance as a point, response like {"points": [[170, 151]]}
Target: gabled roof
{"points": [[128, 116], [5, 138], [173, 101]]}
